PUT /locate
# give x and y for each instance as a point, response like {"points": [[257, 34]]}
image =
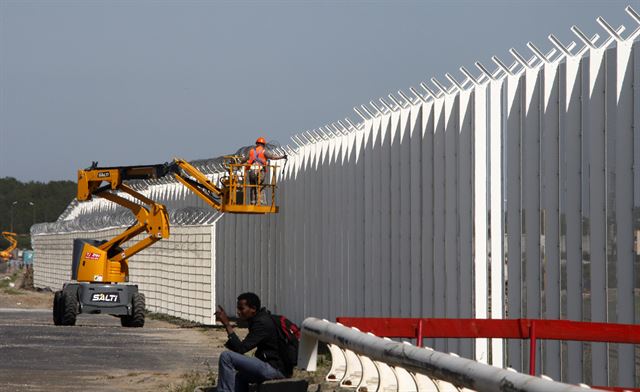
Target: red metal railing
{"points": [[532, 329]]}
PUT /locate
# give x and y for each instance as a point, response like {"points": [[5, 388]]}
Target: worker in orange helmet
{"points": [[256, 164]]}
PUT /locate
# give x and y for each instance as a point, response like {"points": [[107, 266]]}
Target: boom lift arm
{"points": [[13, 243], [107, 261]]}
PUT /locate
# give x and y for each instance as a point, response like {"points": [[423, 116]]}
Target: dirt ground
{"points": [[202, 346]]}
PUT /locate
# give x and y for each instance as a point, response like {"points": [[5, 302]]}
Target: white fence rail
{"points": [[362, 360]]}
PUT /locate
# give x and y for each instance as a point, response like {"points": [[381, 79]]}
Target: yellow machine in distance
{"points": [[99, 267], [5, 254]]}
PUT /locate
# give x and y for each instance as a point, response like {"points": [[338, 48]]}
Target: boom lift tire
{"points": [[70, 309], [58, 307], [136, 319]]}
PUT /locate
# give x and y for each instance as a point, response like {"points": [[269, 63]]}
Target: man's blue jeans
{"points": [[236, 371]]}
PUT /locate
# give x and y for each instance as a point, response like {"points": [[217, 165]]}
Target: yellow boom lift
{"points": [[100, 271], [5, 255]]}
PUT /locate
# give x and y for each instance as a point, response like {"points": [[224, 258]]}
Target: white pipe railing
{"points": [[461, 372]]}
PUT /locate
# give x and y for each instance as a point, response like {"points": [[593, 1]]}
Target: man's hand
{"points": [[221, 315]]}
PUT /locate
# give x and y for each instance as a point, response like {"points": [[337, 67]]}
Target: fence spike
{"points": [[453, 81], [343, 130], [482, 68], [386, 104], [429, 90], [299, 140], [417, 94], [334, 131], [347, 127], [555, 41], [582, 37], [352, 124], [519, 58], [439, 85], [367, 111], [633, 13], [304, 138], [376, 108], [344, 126], [333, 126], [308, 137], [320, 133], [636, 17], [502, 65], [313, 138], [396, 101], [359, 113], [606, 26], [468, 74], [328, 129], [406, 98]]}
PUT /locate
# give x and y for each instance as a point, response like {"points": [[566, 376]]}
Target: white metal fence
{"points": [[513, 194]]}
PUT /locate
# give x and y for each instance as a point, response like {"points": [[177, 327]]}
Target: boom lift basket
{"points": [[249, 189], [243, 189]]}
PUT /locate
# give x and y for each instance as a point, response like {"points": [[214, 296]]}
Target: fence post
{"points": [[532, 348]]}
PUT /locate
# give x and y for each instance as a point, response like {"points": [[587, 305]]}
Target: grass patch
{"points": [[5, 281], [9, 284], [317, 377], [12, 291], [194, 379]]}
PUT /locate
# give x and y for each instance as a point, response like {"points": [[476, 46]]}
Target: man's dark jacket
{"points": [[263, 335]]}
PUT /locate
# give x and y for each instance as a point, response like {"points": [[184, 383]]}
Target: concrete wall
{"points": [[176, 274]]}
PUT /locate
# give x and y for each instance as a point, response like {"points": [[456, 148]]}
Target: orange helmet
{"points": [[260, 140]]}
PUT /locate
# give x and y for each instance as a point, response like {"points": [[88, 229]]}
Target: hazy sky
{"points": [[141, 82]]}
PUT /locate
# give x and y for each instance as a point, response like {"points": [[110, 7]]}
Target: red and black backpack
{"points": [[288, 340]]}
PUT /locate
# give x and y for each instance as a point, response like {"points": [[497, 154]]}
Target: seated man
{"points": [[235, 370]]}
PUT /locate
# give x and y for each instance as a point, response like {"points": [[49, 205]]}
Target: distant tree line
{"points": [[24, 204]]}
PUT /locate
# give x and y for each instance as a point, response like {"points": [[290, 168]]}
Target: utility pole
{"points": [[11, 213], [32, 204]]}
